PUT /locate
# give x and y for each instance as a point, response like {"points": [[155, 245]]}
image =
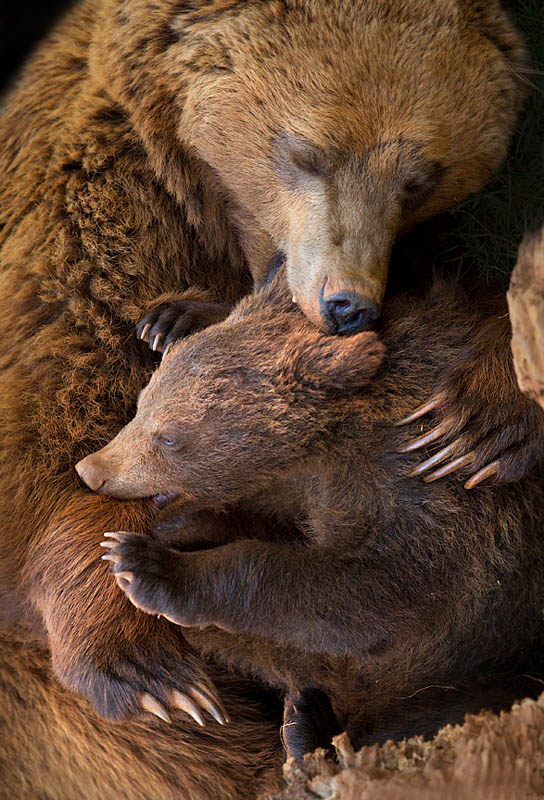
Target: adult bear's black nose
{"points": [[347, 312]]}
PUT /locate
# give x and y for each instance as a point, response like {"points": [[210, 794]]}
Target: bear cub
{"points": [[407, 604]]}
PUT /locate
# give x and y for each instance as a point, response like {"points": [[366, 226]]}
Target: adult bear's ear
{"points": [[344, 363], [492, 19]]}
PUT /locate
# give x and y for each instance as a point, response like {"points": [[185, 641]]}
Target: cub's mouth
{"points": [[162, 500]]}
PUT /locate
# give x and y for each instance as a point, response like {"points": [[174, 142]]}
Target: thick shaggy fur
{"points": [[154, 147], [329, 128], [54, 746], [408, 604]]}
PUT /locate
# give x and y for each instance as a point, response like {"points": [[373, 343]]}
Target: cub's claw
{"points": [[126, 577], [142, 569], [118, 535]]}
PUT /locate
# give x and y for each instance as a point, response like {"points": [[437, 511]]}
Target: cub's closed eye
{"points": [[167, 441]]}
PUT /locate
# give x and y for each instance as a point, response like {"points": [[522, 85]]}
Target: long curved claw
{"points": [[157, 341], [145, 331], [214, 707], [422, 410], [152, 705], [486, 472], [454, 465], [118, 535], [446, 452], [427, 438], [184, 703]]}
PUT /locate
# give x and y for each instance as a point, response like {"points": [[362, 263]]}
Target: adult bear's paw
{"points": [[479, 438], [159, 674], [165, 323], [160, 679]]}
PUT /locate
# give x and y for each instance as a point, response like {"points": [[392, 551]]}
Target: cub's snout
{"points": [[91, 471]]}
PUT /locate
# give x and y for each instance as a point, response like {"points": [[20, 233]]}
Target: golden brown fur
{"points": [[53, 746]]}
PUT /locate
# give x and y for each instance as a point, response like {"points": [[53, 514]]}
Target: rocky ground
{"points": [[488, 758], [526, 305]]}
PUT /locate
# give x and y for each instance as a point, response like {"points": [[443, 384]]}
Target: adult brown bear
{"points": [[408, 605], [153, 146]]}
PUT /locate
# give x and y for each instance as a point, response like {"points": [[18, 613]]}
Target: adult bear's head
{"points": [[330, 127]]}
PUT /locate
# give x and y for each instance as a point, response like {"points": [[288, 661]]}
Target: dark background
{"points": [[22, 24]]}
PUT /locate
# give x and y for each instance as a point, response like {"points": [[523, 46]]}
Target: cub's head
{"points": [[234, 406]]}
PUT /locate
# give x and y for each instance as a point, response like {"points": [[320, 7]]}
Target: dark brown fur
{"points": [[408, 604]]}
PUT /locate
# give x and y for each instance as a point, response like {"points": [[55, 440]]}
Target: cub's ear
{"points": [[344, 363]]}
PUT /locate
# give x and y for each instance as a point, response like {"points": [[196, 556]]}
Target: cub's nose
{"points": [[90, 471], [347, 312]]}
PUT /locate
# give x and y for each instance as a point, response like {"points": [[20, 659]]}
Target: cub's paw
{"points": [[309, 722], [477, 440], [151, 575], [167, 322]]}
